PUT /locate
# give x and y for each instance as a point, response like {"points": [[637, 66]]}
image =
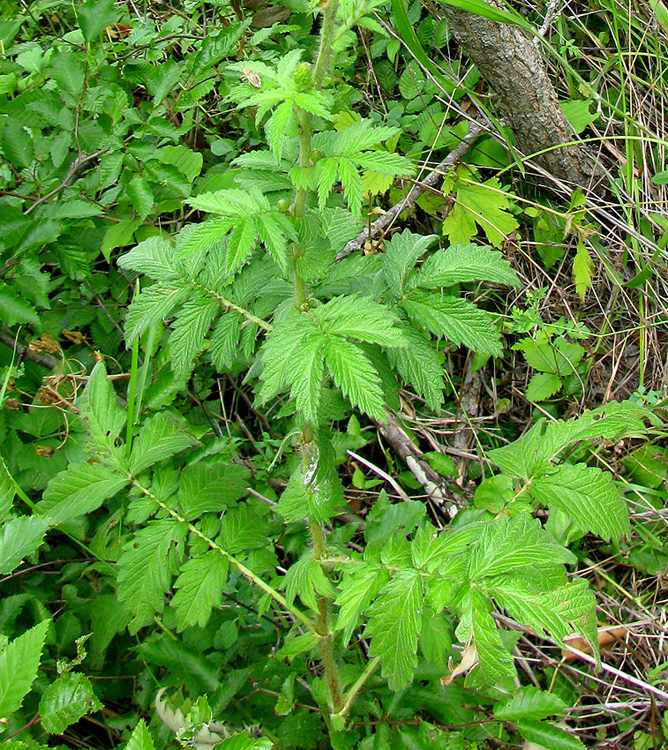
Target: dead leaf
{"points": [[607, 638], [468, 662]]}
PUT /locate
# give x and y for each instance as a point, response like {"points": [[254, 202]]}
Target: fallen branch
{"points": [[378, 226], [24, 352]]}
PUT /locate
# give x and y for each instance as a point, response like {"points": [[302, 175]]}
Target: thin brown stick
{"points": [[24, 352]]}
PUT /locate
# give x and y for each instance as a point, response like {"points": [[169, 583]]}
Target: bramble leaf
{"points": [[394, 626], [199, 589], [19, 538], [18, 667]]}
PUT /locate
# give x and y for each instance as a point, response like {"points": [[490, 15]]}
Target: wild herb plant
{"points": [[316, 628]]}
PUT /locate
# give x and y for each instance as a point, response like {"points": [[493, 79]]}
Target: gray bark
{"points": [[512, 67]]}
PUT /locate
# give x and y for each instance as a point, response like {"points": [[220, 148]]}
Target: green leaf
{"points": [[481, 8], [511, 543], [243, 741], [18, 667], [66, 700], [140, 195], [17, 144], [7, 488], [199, 589], [19, 538], [419, 366], [577, 112], [163, 435], [144, 574], [80, 489], [189, 332], [356, 592], [495, 662], [241, 530], [460, 264], [118, 235], [360, 318], [583, 267], [94, 16], [211, 488], [14, 309], [547, 735], [151, 307], [588, 496], [458, 320], [141, 738], [224, 344], [355, 376], [394, 626], [300, 644], [68, 70], [309, 369], [480, 203], [155, 257], [558, 612], [100, 408], [529, 703], [542, 386]]}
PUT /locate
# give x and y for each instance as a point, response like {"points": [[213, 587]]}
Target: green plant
{"points": [[225, 565]]}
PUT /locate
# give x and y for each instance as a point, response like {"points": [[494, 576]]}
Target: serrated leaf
{"points": [[583, 267], [494, 661], [277, 127], [66, 700], [352, 185], [401, 254], [309, 369], [588, 496], [241, 530], [458, 320], [94, 16], [16, 143], [394, 626], [547, 735], [224, 344], [356, 592], [14, 309], [355, 376], [80, 489], [161, 436], [144, 575], [463, 263], [530, 703], [419, 366], [150, 307], [511, 543], [558, 612], [189, 332], [140, 739], [207, 488], [18, 667], [199, 589], [140, 195], [19, 538], [360, 318], [486, 206], [100, 408], [542, 386]]}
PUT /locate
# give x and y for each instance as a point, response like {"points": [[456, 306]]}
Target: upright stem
{"points": [[309, 447]]}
